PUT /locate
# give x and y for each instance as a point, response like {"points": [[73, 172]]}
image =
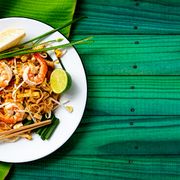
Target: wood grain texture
{"points": [[131, 55], [103, 167], [129, 17], [147, 95]]}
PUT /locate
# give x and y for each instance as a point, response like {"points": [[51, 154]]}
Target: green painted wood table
{"points": [[131, 126]]}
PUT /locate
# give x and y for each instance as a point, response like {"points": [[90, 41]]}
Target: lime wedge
{"points": [[60, 81]]}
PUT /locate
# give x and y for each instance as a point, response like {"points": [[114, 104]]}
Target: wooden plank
{"points": [[102, 167], [91, 123], [131, 55], [117, 135], [118, 106], [135, 87], [133, 95], [128, 17]]}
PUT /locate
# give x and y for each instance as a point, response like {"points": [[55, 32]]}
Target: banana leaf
{"points": [[4, 170], [53, 12]]}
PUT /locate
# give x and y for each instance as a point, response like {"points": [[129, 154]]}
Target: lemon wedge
{"points": [[10, 38]]}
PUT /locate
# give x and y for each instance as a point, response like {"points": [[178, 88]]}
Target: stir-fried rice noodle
{"points": [[27, 93]]}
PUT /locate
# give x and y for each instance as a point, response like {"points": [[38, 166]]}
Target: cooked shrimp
{"points": [[5, 75], [4, 126], [34, 75], [12, 113]]}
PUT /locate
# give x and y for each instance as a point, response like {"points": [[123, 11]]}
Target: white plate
{"points": [[25, 150]]}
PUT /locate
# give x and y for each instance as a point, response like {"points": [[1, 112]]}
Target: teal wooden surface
{"points": [[130, 129], [129, 17], [132, 55], [100, 168]]}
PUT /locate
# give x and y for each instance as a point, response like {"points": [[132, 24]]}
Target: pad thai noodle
{"points": [[25, 91]]}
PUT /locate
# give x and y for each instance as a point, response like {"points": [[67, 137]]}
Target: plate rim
{"points": [[86, 92]]}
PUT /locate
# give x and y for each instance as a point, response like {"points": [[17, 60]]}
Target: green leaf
{"points": [[55, 12], [4, 170]]}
